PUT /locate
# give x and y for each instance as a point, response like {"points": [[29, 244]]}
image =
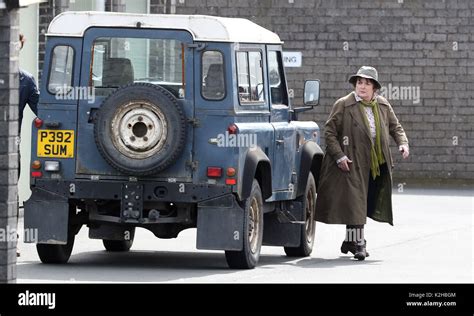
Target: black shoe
{"points": [[361, 251], [350, 246]]}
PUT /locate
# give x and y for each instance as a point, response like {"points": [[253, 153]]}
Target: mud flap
{"points": [[46, 218], [220, 224], [283, 234]]}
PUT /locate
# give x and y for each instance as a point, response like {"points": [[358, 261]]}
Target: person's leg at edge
{"points": [[18, 202]]}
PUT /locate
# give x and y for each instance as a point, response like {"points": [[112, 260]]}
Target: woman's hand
{"points": [[344, 165], [404, 150]]}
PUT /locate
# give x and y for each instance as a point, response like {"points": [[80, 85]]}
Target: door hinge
{"points": [[194, 122], [92, 115], [197, 46], [294, 177], [192, 164]]}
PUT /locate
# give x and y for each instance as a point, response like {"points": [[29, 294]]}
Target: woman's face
{"points": [[364, 88]]}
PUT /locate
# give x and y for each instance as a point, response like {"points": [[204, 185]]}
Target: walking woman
{"points": [[356, 173]]}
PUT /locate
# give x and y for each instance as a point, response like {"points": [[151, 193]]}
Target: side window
{"points": [[275, 75], [60, 72], [212, 76], [250, 77]]}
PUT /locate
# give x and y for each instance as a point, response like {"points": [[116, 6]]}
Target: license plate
{"points": [[56, 143]]}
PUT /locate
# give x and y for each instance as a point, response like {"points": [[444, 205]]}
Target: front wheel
{"points": [[247, 258], [309, 228]]}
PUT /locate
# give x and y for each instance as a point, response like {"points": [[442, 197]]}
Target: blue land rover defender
{"points": [[168, 122]]}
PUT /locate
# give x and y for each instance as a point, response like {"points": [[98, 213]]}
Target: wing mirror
{"points": [[311, 92]]}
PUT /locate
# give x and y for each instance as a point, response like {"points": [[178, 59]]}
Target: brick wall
{"points": [[416, 45], [46, 15], [9, 35], [421, 47]]}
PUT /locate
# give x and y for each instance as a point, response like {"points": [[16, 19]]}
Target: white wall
{"points": [[28, 62]]}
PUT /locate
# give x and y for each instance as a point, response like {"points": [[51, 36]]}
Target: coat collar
{"points": [[350, 100], [351, 103]]}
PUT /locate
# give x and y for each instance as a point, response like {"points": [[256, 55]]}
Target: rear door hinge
{"points": [[194, 122], [294, 177], [197, 46], [192, 164]]}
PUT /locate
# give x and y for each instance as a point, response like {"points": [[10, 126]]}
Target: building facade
{"points": [[423, 50]]}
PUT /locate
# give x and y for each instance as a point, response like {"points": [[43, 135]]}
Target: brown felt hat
{"points": [[366, 72]]}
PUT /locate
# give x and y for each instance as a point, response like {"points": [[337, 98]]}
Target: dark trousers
{"points": [[372, 195]]}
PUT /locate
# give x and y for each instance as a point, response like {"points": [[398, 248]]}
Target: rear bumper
{"points": [[220, 220], [113, 190]]}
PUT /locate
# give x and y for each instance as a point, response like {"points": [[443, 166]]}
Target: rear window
{"points": [[120, 61]]}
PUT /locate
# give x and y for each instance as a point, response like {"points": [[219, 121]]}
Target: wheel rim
{"points": [[309, 223], [254, 225], [139, 130]]}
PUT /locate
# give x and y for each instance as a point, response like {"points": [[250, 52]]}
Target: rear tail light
{"points": [[232, 129], [214, 172], [38, 122], [36, 174], [230, 181], [230, 172], [36, 165]]}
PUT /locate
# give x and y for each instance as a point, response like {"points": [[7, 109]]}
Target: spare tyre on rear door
{"points": [[140, 129]]}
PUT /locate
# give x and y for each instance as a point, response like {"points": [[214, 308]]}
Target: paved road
{"points": [[432, 242]]}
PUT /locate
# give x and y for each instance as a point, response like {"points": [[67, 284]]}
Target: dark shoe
{"points": [[361, 251], [350, 246]]}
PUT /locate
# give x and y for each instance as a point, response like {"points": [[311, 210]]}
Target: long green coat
{"points": [[342, 196]]}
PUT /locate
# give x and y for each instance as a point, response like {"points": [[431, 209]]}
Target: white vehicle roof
{"points": [[202, 27]]}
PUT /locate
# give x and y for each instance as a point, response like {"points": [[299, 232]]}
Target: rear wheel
{"points": [[247, 258], [309, 228], [49, 253], [60, 254], [117, 245]]}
